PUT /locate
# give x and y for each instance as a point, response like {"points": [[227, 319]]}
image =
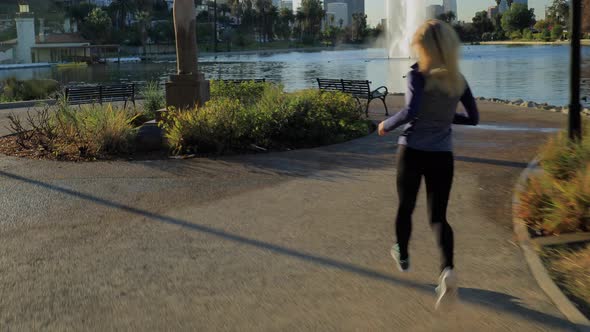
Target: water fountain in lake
{"points": [[403, 18]]}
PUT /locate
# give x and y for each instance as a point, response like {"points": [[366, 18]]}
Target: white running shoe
{"points": [[447, 289], [402, 265]]}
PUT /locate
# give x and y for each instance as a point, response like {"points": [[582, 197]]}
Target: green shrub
{"points": [[536, 202], [212, 128], [563, 159], [570, 211], [556, 32], [516, 35], [317, 118], [527, 34], [153, 99], [16, 90], [487, 36], [72, 132], [546, 35], [274, 119], [558, 201], [247, 93]]}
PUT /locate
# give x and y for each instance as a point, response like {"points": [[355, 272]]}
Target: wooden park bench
{"points": [[99, 94], [358, 89]]}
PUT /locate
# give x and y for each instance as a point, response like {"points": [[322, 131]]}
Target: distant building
{"points": [[63, 47], [434, 11], [354, 7], [450, 6], [287, 4], [524, 2], [492, 11], [101, 3], [503, 6], [276, 3], [339, 11]]}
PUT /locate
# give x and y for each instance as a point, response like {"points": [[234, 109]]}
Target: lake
{"points": [[535, 73]]}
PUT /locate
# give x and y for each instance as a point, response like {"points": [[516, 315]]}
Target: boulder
{"points": [[149, 137]]}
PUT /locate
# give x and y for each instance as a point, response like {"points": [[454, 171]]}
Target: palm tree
{"points": [[236, 9], [284, 23], [122, 9], [224, 9], [143, 19], [300, 20], [313, 13]]}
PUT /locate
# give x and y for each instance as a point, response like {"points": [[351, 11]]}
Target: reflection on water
{"points": [[537, 73]]}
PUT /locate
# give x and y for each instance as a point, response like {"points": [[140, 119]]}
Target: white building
{"points": [[340, 12], [26, 40], [434, 11], [450, 6]]}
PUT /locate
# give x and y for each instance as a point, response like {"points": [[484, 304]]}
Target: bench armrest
{"points": [[386, 92]]}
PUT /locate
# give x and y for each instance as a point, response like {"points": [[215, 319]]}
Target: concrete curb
{"points": [[540, 273]]}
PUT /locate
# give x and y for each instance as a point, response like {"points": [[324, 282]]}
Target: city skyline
{"points": [[466, 8]]}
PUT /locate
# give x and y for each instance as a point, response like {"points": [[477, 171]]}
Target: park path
{"points": [[295, 241]]}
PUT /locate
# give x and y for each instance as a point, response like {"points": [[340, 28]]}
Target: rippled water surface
{"points": [[537, 73]]}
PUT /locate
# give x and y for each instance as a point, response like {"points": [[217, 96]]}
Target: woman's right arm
{"points": [[472, 116]]}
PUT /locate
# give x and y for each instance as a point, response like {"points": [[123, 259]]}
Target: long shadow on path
{"points": [[484, 298]]}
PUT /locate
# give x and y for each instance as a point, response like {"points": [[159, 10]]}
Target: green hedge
{"points": [[240, 116]]}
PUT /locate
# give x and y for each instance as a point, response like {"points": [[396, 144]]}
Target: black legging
{"points": [[437, 169]]}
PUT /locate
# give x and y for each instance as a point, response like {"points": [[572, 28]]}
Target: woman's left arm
{"points": [[472, 116], [413, 100]]}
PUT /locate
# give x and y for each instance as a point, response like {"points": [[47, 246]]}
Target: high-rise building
{"points": [[450, 6], [503, 6], [101, 3], [524, 2], [339, 11], [354, 6], [492, 11], [434, 11]]}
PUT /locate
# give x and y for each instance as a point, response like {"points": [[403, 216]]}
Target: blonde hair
{"points": [[437, 46]]}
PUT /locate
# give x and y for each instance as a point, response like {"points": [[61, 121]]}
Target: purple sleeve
{"points": [[413, 101], [472, 116]]}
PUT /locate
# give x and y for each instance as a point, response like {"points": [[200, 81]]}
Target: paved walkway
{"points": [[293, 241]]}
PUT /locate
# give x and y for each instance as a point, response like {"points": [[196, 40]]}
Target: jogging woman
{"points": [[435, 87]]}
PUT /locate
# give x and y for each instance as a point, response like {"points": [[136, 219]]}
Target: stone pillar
{"points": [[25, 31], [188, 87]]}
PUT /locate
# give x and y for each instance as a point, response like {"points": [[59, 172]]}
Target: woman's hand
{"points": [[381, 130]]}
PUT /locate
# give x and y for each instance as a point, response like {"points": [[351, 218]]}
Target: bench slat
{"points": [[100, 93]]}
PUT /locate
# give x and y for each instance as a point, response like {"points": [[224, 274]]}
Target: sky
{"points": [[467, 8]]}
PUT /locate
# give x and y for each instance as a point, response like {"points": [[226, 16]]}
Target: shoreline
{"points": [[584, 42], [160, 57]]}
